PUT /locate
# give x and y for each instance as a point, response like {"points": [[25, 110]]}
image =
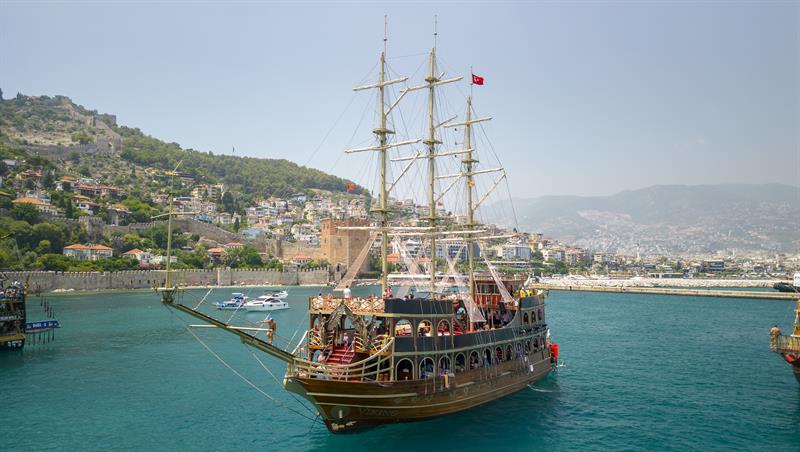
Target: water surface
{"points": [[642, 372]]}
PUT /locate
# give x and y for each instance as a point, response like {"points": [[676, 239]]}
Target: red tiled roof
{"points": [[34, 201], [133, 252], [78, 246]]}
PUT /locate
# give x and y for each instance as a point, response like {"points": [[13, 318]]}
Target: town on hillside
{"points": [[78, 192]]}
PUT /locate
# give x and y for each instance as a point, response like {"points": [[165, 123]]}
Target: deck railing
{"points": [[355, 304], [366, 369], [781, 343]]}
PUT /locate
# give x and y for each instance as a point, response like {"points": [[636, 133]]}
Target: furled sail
{"points": [[507, 298]]}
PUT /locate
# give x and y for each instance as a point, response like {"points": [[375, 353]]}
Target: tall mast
{"points": [[382, 131], [168, 278], [796, 332], [431, 142], [468, 161]]}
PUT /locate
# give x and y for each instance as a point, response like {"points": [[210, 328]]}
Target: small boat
{"points": [[237, 301], [266, 303], [279, 294]]}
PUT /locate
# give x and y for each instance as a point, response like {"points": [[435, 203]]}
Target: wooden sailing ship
{"points": [[12, 316], [788, 346], [376, 360]]}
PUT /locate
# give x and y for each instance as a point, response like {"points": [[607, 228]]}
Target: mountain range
{"points": [[671, 219]]}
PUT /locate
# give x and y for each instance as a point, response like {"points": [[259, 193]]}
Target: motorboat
{"points": [[237, 301], [279, 294], [265, 303]]}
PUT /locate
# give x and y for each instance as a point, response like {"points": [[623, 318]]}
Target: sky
{"points": [[587, 98]]}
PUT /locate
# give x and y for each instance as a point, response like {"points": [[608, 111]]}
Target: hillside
{"points": [[57, 127], [672, 219]]}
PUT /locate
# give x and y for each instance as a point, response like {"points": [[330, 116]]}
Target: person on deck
{"points": [[271, 327], [775, 331], [347, 293]]}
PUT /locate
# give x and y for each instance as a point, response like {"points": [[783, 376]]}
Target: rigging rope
{"points": [[235, 372]]}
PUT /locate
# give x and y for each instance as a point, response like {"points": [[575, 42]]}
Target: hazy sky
{"points": [[587, 97]]}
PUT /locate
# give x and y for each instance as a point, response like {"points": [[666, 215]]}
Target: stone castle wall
{"points": [[144, 279]]}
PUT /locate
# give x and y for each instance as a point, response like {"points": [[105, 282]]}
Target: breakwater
{"points": [[677, 291], [689, 283], [143, 279]]}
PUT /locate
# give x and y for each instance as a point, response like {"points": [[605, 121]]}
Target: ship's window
{"points": [[424, 328], [402, 328], [444, 365], [527, 346], [444, 328], [487, 358], [498, 355], [457, 328], [519, 349], [405, 369], [461, 364], [541, 317], [525, 319], [426, 368], [535, 343], [474, 360], [508, 352]]}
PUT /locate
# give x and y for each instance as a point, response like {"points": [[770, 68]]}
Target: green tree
{"points": [[54, 262], [244, 257], [227, 202], [54, 233], [26, 212], [82, 137]]}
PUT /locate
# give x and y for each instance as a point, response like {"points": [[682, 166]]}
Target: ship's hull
{"points": [[347, 406], [794, 360], [16, 342]]}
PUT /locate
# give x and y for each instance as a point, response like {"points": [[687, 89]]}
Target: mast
{"points": [[796, 332], [168, 291], [468, 161], [431, 142], [382, 131], [168, 279]]}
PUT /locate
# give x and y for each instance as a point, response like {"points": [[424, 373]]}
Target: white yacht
{"points": [[265, 303]]}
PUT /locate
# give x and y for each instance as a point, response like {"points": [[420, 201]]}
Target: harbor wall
{"points": [[145, 279], [661, 282]]}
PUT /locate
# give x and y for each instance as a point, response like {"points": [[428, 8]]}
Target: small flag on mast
{"points": [[477, 80]]}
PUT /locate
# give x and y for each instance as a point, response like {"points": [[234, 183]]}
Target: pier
{"points": [[678, 291]]}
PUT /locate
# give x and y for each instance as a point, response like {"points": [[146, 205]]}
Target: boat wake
{"points": [[538, 390]]}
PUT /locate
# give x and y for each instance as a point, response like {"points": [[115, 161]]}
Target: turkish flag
{"points": [[351, 187], [477, 79]]}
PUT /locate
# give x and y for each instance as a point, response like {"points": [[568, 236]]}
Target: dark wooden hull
{"points": [[349, 406]]}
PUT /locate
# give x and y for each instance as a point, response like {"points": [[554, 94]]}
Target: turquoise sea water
{"points": [[642, 372]]}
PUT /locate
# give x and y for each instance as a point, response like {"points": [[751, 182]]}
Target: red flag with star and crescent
{"points": [[477, 79]]}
